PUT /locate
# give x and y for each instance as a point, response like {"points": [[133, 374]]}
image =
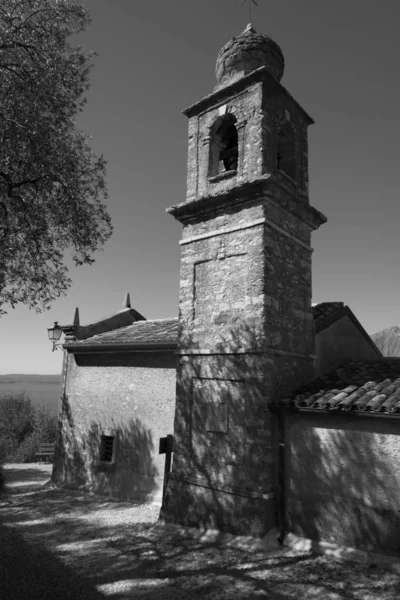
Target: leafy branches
{"points": [[52, 186]]}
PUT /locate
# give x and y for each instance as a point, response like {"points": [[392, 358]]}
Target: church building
{"points": [[283, 413]]}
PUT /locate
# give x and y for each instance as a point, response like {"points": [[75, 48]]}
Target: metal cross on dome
{"points": [[255, 2]]}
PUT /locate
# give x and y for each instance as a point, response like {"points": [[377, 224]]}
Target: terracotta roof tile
{"points": [[363, 386], [391, 402]]}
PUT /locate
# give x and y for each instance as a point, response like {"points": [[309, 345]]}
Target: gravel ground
{"points": [[60, 545]]}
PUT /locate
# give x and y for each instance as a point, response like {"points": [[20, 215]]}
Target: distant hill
{"points": [[43, 390], [388, 341]]}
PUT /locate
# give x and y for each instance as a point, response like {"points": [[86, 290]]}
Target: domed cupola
{"points": [[245, 53]]}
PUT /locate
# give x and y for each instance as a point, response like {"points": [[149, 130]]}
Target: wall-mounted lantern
{"points": [[54, 334]]}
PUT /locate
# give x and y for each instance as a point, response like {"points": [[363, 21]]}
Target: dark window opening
{"points": [[286, 151], [228, 155], [224, 146], [107, 448]]}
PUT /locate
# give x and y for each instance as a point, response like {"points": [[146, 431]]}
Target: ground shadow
{"points": [[28, 571], [59, 544], [26, 474]]}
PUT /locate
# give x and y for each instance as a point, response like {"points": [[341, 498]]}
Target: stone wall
{"points": [[246, 334], [128, 395], [343, 480], [222, 473]]}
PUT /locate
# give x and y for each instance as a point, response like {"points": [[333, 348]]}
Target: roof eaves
{"points": [[285, 408], [100, 348]]}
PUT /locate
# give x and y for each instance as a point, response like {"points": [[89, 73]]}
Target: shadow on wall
{"points": [[344, 482], [223, 431], [133, 476]]}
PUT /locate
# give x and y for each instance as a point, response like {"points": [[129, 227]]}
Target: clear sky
{"points": [[157, 57]]}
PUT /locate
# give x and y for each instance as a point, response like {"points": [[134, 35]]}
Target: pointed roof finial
{"points": [[127, 301], [76, 317], [249, 29]]}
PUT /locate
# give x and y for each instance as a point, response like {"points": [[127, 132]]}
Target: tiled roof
{"points": [[165, 331], [325, 309], [361, 386], [160, 331]]}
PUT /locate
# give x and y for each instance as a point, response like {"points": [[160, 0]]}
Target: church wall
{"points": [[289, 325], [343, 480], [130, 396], [221, 281], [341, 341], [222, 428], [223, 473]]}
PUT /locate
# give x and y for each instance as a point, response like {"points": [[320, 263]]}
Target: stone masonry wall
{"points": [[279, 108], [246, 334], [130, 396]]}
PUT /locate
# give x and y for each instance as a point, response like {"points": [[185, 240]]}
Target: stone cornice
{"points": [[225, 351], [249, 192], [223, 94]]}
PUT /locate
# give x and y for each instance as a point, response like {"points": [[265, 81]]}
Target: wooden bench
{"points": [[46, 451]]}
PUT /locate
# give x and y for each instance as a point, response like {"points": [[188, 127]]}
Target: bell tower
{"points": [[246, 331]]}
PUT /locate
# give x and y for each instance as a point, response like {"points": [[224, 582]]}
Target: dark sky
{"points": [[157, 57]]}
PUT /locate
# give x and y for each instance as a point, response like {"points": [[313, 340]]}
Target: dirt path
{"points": [[61, 545]]}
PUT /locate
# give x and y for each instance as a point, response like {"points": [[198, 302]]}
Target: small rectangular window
{"points": [[107, 448]]}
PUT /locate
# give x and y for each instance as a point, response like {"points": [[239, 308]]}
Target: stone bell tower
{"points": [[245, 324]]}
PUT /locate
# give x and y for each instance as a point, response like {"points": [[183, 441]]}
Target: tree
{"points": [[52, 186], [17, 418], [23, 427]]}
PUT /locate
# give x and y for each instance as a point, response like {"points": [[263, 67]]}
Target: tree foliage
{"points": [[52, 186], [23, 427]]}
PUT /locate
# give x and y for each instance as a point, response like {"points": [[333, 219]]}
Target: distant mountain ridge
{"points": [[388, 341], [22, 377]]}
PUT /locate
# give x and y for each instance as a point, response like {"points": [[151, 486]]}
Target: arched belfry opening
{"points": [[224, 152], [286, 151]]}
